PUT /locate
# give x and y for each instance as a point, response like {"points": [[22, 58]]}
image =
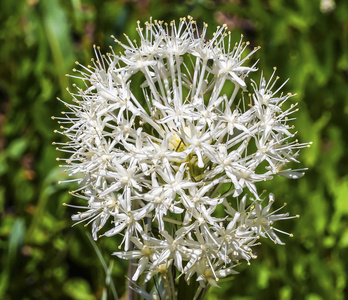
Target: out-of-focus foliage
{"points": [[43, 258]]}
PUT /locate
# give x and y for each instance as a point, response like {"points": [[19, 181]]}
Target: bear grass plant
{"points": [[167, 141]]}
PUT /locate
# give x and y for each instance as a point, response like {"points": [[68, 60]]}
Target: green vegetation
{"points": [[42, 257]]}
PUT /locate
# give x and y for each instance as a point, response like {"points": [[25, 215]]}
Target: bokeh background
{"points": [[42, 257]]}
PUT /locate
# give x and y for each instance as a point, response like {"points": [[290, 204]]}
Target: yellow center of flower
{"points": [[208, 273], [176, 144], [146, 250]]}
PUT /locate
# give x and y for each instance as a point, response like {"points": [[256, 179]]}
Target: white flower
{"points": [[327, 6], [166, 162]]}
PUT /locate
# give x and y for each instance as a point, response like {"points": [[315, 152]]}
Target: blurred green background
{"points": [[42, 257]]}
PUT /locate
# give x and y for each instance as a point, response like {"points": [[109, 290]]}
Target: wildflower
{"points": [[162, 160], [327, 6]]}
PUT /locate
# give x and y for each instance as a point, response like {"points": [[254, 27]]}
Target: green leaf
{"points": [[17, 148], [16, 238], [58, 36], [78, 289]]}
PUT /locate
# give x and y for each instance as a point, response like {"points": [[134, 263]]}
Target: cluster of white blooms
{"points": [[327, 6], [168, 139]]}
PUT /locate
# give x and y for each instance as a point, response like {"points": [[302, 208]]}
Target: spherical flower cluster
{"points": [[167, 141]]}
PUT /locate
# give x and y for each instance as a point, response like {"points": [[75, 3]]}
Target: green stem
{"points": [[171, 284], [131, 293], [188, 291]]}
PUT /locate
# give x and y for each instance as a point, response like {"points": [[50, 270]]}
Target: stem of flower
{"points": [[173, 221], [131, 293]]}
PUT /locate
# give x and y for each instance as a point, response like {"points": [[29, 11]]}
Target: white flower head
{"points": [[162, 160]]}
